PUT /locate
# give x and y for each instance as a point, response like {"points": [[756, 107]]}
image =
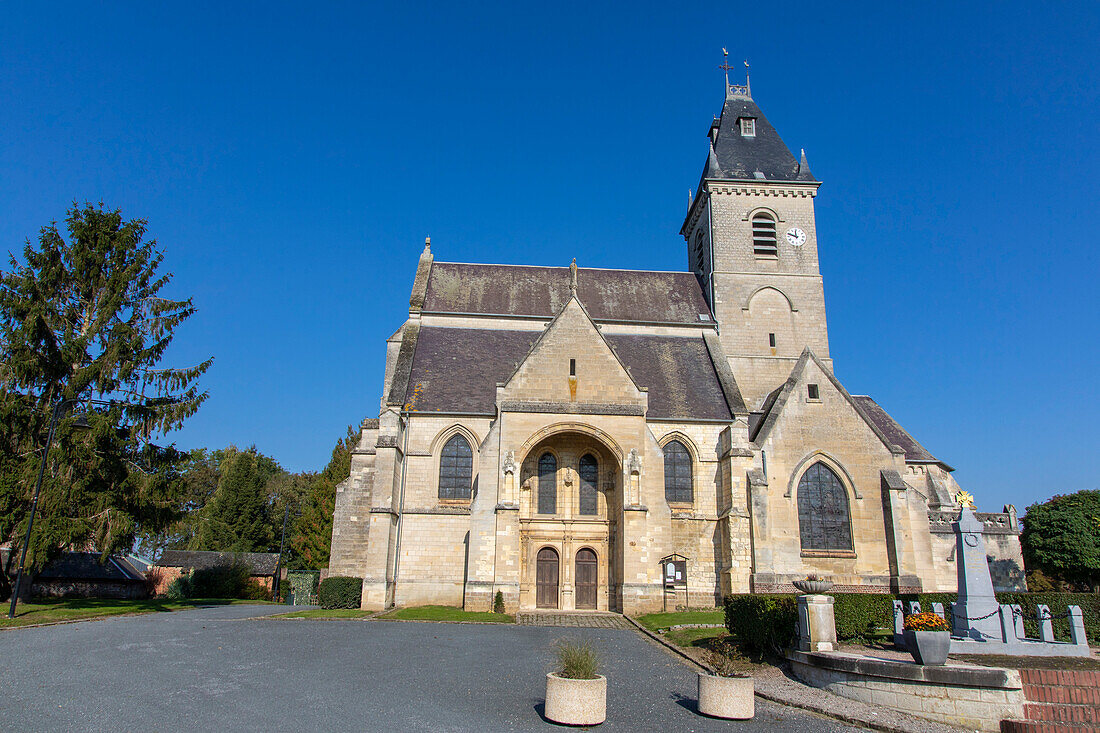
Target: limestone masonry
{"points": [[598, 439]]}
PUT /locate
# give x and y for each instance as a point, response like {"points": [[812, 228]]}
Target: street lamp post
{"points": [[54, 417]]}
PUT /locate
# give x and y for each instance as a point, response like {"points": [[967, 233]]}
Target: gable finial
{"points": [[427, 244], [748, 87], [573, 277], [735, 90]]}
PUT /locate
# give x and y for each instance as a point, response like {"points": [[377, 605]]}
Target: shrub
{"points": [[498, 602], [578, 660], [861, 616], [221, 581], [926, 621], [179, 588], [762, 622], [340, 591]]}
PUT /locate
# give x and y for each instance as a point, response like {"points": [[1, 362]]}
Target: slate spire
{"points": [[804, 168]]}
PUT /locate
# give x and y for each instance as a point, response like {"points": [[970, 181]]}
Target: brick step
{"points": [[1044, 726], [1065, 678], [1062, 712], [1059, 694]]}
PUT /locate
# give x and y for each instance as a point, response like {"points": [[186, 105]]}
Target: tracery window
{"points": [[548, 484], [589, 472], [456, 469], [678, 486], [823, 518], [763, 235]]}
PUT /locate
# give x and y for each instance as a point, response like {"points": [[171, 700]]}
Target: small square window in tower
{"points": [[812, 392], [748, 127]]}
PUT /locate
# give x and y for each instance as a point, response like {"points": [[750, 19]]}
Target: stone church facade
{"points": [[566, 435]]}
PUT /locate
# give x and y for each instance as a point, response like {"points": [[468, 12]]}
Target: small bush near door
{"points": [[340, 591]]}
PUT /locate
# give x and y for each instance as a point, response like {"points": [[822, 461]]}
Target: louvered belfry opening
{"points": [[763, 235]]}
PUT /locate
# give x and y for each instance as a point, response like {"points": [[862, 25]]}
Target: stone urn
{"points": [[813, 587], [928, 647], [576, 702], [726, 697]]}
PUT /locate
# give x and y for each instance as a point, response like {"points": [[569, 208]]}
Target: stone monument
{"points": [[816, 623], [975, 614]]}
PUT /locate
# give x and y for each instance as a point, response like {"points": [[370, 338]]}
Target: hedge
{"points": [[768, 621], [218, 581], [340, 591]]}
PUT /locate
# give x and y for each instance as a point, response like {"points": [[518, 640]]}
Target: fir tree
{"points": [[83, 318], [312, 536], [238, 516]]}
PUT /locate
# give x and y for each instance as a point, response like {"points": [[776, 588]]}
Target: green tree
{"points": [[238, 515], [1061, 537], [83, 317], [312, 536]]}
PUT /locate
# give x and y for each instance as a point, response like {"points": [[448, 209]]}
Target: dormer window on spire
{"points": [[748, 126]]}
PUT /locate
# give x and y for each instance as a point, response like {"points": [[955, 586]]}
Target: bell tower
{"points": [[752, 242]]}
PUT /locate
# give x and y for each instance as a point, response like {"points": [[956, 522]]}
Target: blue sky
{"points": [[291, 159]]}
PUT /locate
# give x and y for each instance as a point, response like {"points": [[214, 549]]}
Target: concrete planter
{"points": [[726, 697], [576, 702], [928, 647]]}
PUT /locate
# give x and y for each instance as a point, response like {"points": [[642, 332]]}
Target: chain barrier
{"points": [[1017, 613]]}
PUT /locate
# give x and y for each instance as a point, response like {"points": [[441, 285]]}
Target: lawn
{"points": [[77, 609], [446, 613], [327, 613], [655, 621]]}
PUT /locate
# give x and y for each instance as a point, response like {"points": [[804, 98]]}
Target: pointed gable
{"points": [[810, 370], [543, 378]]}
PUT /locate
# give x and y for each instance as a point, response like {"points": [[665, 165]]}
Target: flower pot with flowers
{"points": [[813, 584], [928, 638]]}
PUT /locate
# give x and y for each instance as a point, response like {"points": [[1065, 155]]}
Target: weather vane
{"points": [[726, 68]]}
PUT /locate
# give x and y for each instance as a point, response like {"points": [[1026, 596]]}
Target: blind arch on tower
{"points": [[824, 518]]}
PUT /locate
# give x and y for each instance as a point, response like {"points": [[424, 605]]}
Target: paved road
{"points": [[219, 669]]}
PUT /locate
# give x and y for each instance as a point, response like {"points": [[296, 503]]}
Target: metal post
{"points": [[279, 562], [34, 505]]}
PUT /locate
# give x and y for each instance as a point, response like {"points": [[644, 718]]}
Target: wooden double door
{"points": [[548, 574]]}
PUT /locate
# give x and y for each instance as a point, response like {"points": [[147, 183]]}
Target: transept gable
{"points": [[571, 364], [810, 372]]}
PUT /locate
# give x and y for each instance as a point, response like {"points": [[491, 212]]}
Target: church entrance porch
{"points": [[567, 500]]}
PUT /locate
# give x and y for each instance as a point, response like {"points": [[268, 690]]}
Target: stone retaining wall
{"points": [[977, 698]]}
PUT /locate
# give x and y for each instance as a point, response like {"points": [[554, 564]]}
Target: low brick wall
{"points": [[1058, 701], [977, 698]]}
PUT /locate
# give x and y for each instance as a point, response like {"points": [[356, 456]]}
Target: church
{"points": [[621, 440]]}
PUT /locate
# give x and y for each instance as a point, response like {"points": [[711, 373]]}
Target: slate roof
{"points": [[457, 370], [87, 566], [541, 292], [260, 563], [740, 157], [914, 451]]}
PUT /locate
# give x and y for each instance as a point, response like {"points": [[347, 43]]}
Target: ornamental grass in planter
{"points": [[576, 694], [928, 638], [728, 692]]}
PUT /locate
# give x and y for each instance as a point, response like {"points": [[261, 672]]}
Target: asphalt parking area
{"points": [[221, 669]]}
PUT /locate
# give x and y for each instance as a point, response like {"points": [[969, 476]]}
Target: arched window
{"points": [[456, 469], [677, 473], [823, 510], [548, 484], [763, 235], [589, 475]]}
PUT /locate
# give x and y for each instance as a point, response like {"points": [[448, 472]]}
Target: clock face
{"points": [[796, 237]]}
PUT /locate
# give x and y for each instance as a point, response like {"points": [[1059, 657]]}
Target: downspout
{"points": [[710, 237], [400, 506]]}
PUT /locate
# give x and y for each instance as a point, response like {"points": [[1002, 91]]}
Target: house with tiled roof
{"points": [[577, 438]]}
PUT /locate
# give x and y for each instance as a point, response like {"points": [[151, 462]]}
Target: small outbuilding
{"points": [[88, 575]]}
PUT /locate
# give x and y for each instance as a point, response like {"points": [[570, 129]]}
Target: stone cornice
{"points": [[762, 188]]}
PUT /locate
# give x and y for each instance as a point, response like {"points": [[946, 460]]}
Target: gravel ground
{"points": [[217, 669]]}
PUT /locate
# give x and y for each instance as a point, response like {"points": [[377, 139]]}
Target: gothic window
{"points": [[823, 510], [456, 469], [548, 484], [763, 235], [678, 488], [589, 475]]}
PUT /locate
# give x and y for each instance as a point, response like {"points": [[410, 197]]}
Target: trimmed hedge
{"points": [[340, 591], [768, 621], [762, 622]]}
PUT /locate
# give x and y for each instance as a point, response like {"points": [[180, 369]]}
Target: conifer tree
{"points": [[312, 536], [238, 517], [83, 317]]}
